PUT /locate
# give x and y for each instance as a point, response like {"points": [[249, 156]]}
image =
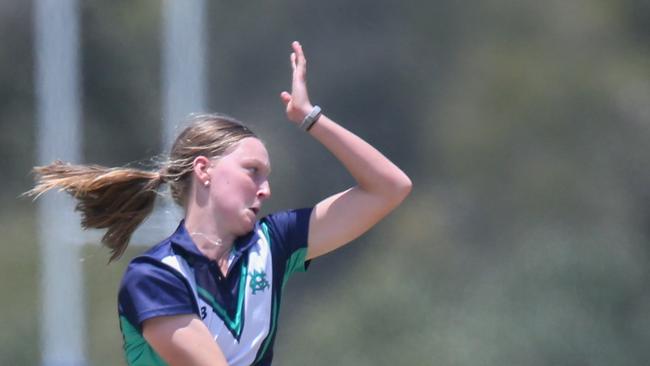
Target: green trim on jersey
{"points": [[274, 317], [274, 308], [295, 263], [235, 325], [138, 352], [265, 229]]}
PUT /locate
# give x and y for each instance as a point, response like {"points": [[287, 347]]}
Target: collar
{"points": [[182, 241]]}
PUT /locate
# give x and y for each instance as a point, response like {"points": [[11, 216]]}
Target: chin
{"points": [[248, 225]]}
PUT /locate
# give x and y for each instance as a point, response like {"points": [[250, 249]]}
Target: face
{"points": [[239, 184]]}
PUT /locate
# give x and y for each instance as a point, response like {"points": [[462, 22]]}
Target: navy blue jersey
{"points": [[240, 309]]}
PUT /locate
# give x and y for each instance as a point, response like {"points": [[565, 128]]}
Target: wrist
{"points": [[310, 118], [304, 112]]}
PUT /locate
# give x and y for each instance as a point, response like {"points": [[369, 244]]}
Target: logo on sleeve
{"points": [[258, 281]]}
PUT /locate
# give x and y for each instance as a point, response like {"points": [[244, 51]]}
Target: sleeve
{"points": [[288, 232], [151, 289]]}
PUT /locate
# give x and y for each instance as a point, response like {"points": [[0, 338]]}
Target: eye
{"points": [[253, 169]]}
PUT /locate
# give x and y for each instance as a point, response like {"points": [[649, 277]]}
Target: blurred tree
{"points": [[523, 124]]}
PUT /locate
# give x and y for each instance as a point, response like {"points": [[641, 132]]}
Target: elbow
{"points": [[405, 187], [401, 188], [391, 190]]}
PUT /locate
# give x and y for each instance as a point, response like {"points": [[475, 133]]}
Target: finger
{"points": [[297, 48], [292, 57], [301, 61]]}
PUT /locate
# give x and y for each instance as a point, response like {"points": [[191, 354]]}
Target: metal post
{"points": [[63, 327], [183, 63], [183, 83]]}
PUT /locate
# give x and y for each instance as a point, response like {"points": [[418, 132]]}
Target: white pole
{"points": [[56, 29], [183, 83], [183, 63]]}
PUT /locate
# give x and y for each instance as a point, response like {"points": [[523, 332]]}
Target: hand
{"points": [[297, 102]]}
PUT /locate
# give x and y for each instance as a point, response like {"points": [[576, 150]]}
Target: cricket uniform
{"points": [[240, 309]]}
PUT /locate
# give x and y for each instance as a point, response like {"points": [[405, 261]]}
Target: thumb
{"points": [[285, 97]]}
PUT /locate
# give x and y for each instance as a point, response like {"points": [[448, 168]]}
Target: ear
{"points": [[201, 164]]}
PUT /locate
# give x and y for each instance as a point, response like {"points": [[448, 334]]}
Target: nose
{"points": [[264, 191]]}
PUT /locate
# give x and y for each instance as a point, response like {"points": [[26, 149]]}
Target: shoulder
{"points": [[147, 278], [287, 232], [152, 288], [150, 263], [288, 219], [147, 268]]}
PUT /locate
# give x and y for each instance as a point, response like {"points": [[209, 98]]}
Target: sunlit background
{"points": [[525, 126]]}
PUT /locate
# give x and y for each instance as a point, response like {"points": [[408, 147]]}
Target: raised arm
{"points": [[381, 186]]}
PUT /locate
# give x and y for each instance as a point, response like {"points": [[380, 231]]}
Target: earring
{"points": [[206, 183]]}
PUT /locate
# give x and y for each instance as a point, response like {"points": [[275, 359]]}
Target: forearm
{"points": [[373, 172], [381, 186], [183, 340]]}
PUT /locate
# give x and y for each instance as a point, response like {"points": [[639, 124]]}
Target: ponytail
{"points": [[115, 199], [119, 199]]}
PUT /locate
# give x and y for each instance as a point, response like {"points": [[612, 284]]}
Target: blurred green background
{"points": [[524, 126]]}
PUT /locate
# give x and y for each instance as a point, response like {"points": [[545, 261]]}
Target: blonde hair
{"points": [[119, 199]]}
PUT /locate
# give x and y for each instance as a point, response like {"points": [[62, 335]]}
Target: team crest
{"points": [[258, 281]]}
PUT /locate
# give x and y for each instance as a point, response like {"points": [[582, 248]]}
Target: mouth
{"points": [[255, 210]]}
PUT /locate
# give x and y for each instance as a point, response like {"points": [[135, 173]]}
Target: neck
{"points": [[208, 239], [204, 227]]}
